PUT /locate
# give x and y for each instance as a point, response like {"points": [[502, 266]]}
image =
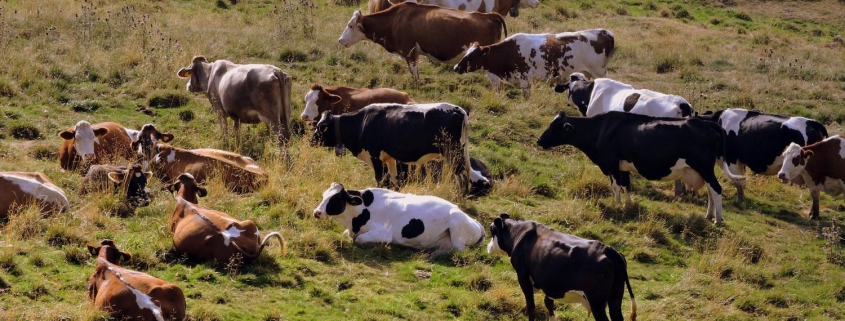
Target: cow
{"points": [[563, 266], [502, 7], [374, 6], [523, 59], [247, 93], [100, 143], [756, 140], [341, 99], [391, 133], [601, 95], [819, 166], [109, 251], [656, 148], [109, 177], [240, 174], [376, 215], [410, 29], [203, 234], [22, 188], [481, 179], [128, 294]]}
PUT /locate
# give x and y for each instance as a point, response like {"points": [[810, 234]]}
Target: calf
{"points": [[376, 215], [522, 59], [410, 29], [340, 99], [819, 166], [602, 95], [110, 177], [127, 294], [94, 144], [502, 7], [656, 148], [205, 234], [22, 188], [564, 267], [756, 139]]}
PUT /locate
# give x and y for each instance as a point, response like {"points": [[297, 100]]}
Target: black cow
{"points": [[106, 177], [391, 133], [564, 267], [654, 147], [756, 140]]}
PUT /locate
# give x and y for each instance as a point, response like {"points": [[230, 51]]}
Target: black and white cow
{"points": [[756, 140], [656, 148], [133, 181], [377, 215], [563, 266], [602, 95], [390, 133]]}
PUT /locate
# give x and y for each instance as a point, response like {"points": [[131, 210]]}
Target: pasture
{"points": [[66, 61]]}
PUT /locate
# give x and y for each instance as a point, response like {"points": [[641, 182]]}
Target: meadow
{"points": [[96, 60]]}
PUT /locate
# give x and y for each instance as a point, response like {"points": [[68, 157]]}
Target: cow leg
{"points": [[411, 58], [625, 181], [814, 211], [550, 305], [237, 128], [221, 120], [597, 305], [373, 236], [679, 188], [528, 290], [617, 190], [378, 168], [714, 202], [739, 169], [391, 170]]}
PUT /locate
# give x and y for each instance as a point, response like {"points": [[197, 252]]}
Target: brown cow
{"points": [[205, 234], [502, 7], [341, 99], [410, 29], [21, 188], [128, 294], [95, 144], [247, 93], [821, 167]]}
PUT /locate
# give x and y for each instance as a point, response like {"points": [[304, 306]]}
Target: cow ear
{"points": [[355, 200], [202, 192], [93, 250], [67, 135], [494, 230], [567, 127], [101, 131], [806, 154], [116, 177], [135, 145], [184, 73], [126, 256], [166, 137], [333, 99], [498, 223]]}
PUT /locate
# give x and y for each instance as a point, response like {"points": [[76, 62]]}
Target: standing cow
{"points": [[247, 93], [502, 7], [342, 99], [602, 95], [100, 143], [410, 29], [523, 58], [820, 166]]}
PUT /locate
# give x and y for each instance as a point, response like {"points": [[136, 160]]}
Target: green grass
{"points": [[65, 62]]}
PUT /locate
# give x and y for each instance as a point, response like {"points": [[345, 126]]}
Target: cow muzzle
{"points": [[458, 69], [89, 157], [782, 177], [514, 12], [318, 214], [304, 117]]}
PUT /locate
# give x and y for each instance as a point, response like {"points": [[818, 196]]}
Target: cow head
{"points": [[109, 251], [135, 181], [145, 145], [354, 31], [197, 75], [473, 60], [579, 91], [317, 100], [186, 187], [795, 161], [84, 137], [327, 134], [502, 241], [335, 201], [559, 132]]}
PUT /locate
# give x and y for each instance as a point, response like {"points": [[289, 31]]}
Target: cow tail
{"points": [[502, 21], [622, 266], [612, 44], [720, 152], [465, 146], [823, 130], [633, 300], [250, 257], [285, 91]]}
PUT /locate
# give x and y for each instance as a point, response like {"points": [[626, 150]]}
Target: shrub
{"points": [[833, 244], [7, 89], [566, 13], [293, 55], [667, 63], [76, 255], [222, 4], [27, 132], [44, 153], [742, 16], [169, 99], [621, 11], [186, 115], [84, 106]]}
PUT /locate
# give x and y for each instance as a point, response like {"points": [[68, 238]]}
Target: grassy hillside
{"points": [[65, 61]]}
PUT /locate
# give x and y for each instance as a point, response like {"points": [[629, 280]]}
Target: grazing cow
{"points": [[602, 95], [656, 148], [127, 294], [412, 134], [240, 174], [563, 266], [523, 58], [21, 188], [502, 7], [340, 99], [377, 215], [820, 166], [756, 140], [95, 144], [205, 234], [246, 93], [410, 29], [110, 177], [109, 251]]}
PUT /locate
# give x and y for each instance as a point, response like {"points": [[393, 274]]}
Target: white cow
{"points": [[377, 215], [502, 7], [602, 95]]}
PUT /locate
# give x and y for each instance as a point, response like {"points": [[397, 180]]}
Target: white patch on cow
{"points": [[171, 157], [43, 192], [137, 174], [731, 119], [475, 176], [232, 232], [799, 124], [311, 110], [188, 175], [83, 139], [251, 166], [841, 144], [143, 300], [790, 170], [493, 247], [352, 35], [574, 296], [134, 135], [610, 95]]}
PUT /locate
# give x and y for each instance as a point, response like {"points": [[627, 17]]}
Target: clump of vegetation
{"points": [[293, 55], [84, 106], [27, 132], [681, 13], [169, 99], [833, 249], [7, 88], [667, 63], [742, 16], [76, 255], [565, 12], [186, 115], [44, 153]]}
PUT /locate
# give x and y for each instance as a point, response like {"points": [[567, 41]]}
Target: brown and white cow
{"points": [[205, 234], [21, 188], [95, 144], [247, 93], [128, 294], [410, 29], [502, 7], [523, 58], [342, 99], [821, 167]]}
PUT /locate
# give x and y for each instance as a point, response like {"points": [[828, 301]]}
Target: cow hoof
{"points": [[718, 222]]}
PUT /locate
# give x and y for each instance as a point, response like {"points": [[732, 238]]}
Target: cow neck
{"points": [[587, 136], [349, 126], [371, 24], [503, 59], [337, 132], [822, 152]]}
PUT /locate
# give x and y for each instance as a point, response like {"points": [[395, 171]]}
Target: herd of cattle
{"points": [[625, 129]]}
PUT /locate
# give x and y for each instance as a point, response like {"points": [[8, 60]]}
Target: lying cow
{"points": [[390, 133], [756, 140], [502, 7], [602, 95], [205, 234], [247, 93], [341, 99], [820, 166], [410, 29], [376, 215], [522, 59], [656, 148], [22, 188], [109, 177], [563, 266], [127, 294], [94, 144]]}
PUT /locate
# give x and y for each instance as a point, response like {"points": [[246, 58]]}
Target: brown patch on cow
{"points": [[604, 43], [462, 7], [554, 50], [353, 99], [503, 59], [630, 102]]}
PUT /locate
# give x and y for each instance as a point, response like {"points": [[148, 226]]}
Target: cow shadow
{"points": [[379, 255], [262, 272]]}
